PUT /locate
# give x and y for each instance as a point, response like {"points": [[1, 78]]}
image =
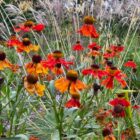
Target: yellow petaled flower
{"points": [[27, 46], [35, 67], [32, 86], [4, 63], [70, 83]]}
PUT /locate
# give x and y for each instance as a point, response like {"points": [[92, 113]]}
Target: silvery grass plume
{"points": [[103, 9]]}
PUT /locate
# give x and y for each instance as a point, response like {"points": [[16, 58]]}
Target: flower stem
{"points": [[129, 115]]}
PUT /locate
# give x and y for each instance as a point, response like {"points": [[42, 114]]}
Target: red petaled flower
{"points": [[119, 105], [39, 27], [130, 64], [73, 102], [56, 58], [88, 28], [109, 54], [94, 46], [78, 47], [136, 107], [114, 74], [29, 25], [33, 138], [118, 48], [57, 70], [13, 41], [94, 71]]}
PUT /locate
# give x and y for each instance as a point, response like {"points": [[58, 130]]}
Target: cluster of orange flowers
{"points": [[55, 66]]}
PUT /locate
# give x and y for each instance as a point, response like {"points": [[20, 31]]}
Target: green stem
{"points": [[129, 115]]}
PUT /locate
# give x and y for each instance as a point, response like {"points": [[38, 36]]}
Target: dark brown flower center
{"points": [[95, 66], [1, 80], [29, 24], [72, 75], [109, 51], [32, 79], [76, 96], [36, 58], [96, 87], [120, 95], [2, 56], [57, 54], [109, 63], [113, 68], [95, 49], [106, 132], [77, 42], [26, 42], [89, 20], [58, 65], [118, 109]]}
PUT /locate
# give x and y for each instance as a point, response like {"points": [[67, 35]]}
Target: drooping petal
{"points": [[72, 103], [62, 84]]}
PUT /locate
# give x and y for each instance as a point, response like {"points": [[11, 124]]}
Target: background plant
{"points": [[46, 117]]}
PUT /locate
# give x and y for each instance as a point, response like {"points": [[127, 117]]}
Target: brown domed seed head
{"points": [[36, 58], [32, 79], [95, 66], [2, 56], [118, 109], [57, 54], [29, 23], [72, 75], [106, 132], [26, 42], [89, 20]]}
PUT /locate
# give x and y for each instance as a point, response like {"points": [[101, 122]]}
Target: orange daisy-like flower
{"points": [[4, 63], [35, 67], [94, 53], [70, 83], [32, 86], [112, 74], [88, 28], [94, 50], [26, 46], [28, 26], [95, 71]]}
